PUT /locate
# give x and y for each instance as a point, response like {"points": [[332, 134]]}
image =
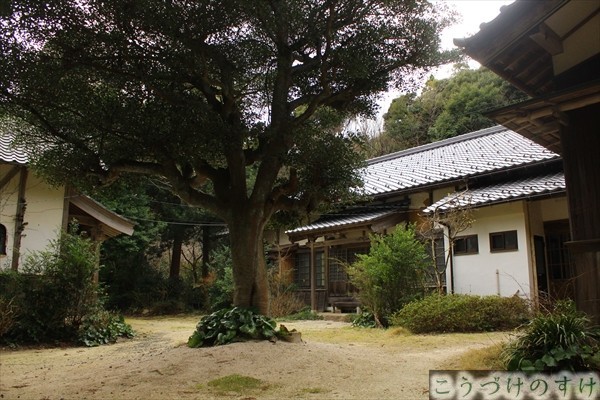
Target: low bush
{"points": [[284, 299], [103, 327], [55, 296], [231, 325], [8, 314], [364, 320], [305, 314], [561, 339], [462, 313]]}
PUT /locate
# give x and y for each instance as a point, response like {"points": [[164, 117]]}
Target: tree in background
{"points": [[134, 269], [198, 93], [445, 108]]}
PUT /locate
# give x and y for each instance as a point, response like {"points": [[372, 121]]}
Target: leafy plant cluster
{"points": [[231, 325], [364, 320], [103, 327], [392, 274], [462, 313], [561, 339], [56, 297]]}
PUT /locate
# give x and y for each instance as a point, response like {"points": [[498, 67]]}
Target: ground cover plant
{"points": [[230, 325], [559, 339], [462, 313]]}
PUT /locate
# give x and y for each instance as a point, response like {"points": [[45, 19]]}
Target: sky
{"points": [[471, 14]]}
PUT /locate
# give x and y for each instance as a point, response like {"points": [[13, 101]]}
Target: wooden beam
{"points": [[546, 38], [9, 175]]}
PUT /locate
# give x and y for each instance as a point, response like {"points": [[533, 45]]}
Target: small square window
{"points": [[503, 241], [466, 245]]}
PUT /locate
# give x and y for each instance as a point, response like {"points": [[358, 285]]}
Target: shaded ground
{"points": [[334, 362]]}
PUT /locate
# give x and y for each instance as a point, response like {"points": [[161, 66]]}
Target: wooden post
{"points": [[19, 220], [326, 266], [313, 277], [580, 142]]}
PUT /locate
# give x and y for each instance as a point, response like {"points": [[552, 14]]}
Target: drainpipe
{"points": [[451, 250], [498, 282], [450, 258]]}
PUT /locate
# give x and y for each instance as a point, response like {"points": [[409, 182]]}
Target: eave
{"points": [[539, 119], [111, 223]]}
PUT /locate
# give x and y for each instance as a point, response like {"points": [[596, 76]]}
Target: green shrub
{"points": [[391, 275], [562, 339], [56, 297], [103, 327], [462, 313], [230, 325], [364, 320], [55, 291], [220, 292], [8, 314]]}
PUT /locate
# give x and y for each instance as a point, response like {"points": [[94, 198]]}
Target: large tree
{"points": [[200, 93]]}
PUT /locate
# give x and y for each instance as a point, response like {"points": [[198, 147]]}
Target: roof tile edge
{"points": [[440, 143]]}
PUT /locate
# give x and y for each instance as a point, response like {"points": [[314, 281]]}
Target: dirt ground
{"points": [[334, 361]]}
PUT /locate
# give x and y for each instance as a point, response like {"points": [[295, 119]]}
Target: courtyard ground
{"points": [[334, 361]]}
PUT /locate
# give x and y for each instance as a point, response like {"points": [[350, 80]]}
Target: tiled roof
{"points": [[10, 153], [484, 151], [502, 192], [347, 218]]}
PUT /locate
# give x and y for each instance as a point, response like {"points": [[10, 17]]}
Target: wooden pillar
{"points": [[326, 266], [19, 220], [97, 236], [313, 277], [580, 142]]}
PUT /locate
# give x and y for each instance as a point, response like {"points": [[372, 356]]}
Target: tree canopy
{"points": [[199, 93], [445, 108]]}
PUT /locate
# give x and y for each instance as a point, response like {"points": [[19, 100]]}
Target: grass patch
{"points": [[238, 384], [487, 358], [315, 390]]}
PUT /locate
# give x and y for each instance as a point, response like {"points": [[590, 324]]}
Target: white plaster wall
{"points": [[476, 274], [43, 215], [554, 209]]}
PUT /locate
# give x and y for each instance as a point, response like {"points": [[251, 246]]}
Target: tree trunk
{"points": [[251, 288], [176, 256], [205, 251]]}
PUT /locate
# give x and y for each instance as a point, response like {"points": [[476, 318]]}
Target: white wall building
{"points": [[515, 245]]}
